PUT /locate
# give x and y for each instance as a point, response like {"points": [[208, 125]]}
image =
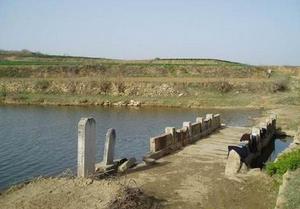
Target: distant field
{"points": [[30, 58], [35, 78]]}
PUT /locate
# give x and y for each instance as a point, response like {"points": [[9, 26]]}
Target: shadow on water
{"points": [[270, 152]]}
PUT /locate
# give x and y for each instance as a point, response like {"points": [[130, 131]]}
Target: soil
{"points": [[194, 178]]}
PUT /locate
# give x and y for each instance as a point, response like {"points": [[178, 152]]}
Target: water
{"points": [[279, 146], [37, 140]]}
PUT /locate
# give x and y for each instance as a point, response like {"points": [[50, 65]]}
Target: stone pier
{"points": [[86, 147], [109, 148]]}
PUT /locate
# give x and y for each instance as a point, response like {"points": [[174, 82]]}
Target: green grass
{"points": [[291, 192], [287, 161]]}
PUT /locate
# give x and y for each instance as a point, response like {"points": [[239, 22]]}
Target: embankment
{"points": [[31, 78]]}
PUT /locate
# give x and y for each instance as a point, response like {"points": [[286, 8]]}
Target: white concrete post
{"points": [[109, 148], [86, 147], [172, 131], [199, 120], [210, 124], [188, 125]]}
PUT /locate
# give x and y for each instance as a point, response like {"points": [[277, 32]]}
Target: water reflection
{"points": [[37, 140]]}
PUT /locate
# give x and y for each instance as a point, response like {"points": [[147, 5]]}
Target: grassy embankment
{"points": [[32, 78]]}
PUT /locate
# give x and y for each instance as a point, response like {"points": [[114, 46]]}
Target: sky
{"points": [[249, 31]]}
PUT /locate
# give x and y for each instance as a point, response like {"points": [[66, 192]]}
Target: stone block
{"points": [[127, 164], [233, 164], [160, 142]]}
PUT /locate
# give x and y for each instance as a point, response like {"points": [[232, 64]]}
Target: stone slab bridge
{"points": [[189, 171]]}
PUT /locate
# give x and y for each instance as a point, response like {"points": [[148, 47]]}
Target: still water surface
{"points": [[37, 140]]}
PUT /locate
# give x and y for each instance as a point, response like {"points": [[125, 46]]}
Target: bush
{"points": [[3, 91], [19, 97], [105, 85], [42, 84], [280, 85], [288, 161], [120, 84], [224, 86]]}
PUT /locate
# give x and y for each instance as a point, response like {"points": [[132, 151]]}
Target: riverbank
{"points": [[32, 78], [35, 79]]}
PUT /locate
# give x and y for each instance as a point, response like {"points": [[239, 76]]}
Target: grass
{"points": [[3, 91], [36, 62], [291, 192], [42, 84], [287, 161]]}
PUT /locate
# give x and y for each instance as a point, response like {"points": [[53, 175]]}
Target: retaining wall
{"points": [[255, 151], [173, 139]]}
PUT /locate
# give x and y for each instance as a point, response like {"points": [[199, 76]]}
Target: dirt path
{"points": [[60, 193], [194, 178]]}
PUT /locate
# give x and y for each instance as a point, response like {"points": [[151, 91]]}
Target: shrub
{"points": [[105, 85], [120, 84], [19, 97], [3, 91], [42, 84], [280, 84], [287, 161], [223, 86]]}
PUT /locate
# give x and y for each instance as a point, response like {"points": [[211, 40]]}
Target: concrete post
{"points": [[255, 131], [273, 118], [109, 148], [210, 122], [86, 147], [172, 131], [209, 116], [188, 125], [199, 120], [217, 118]]}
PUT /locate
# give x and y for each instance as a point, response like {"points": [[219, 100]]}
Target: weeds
{"points": [[3, 91], [42, 84], [280, 84], [120, 84], [288, 161], [19, 97], [105, 85], [223, 86]]}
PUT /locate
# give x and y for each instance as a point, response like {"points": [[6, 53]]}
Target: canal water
{"points": [[38, 140]]}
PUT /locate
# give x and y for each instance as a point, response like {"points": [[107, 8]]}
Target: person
{"points": [[269, 72]]}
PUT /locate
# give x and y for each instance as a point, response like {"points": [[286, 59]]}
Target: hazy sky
{"points": [[249, 31]]}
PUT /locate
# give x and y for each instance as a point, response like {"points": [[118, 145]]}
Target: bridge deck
{"points": [[194, 177]]}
